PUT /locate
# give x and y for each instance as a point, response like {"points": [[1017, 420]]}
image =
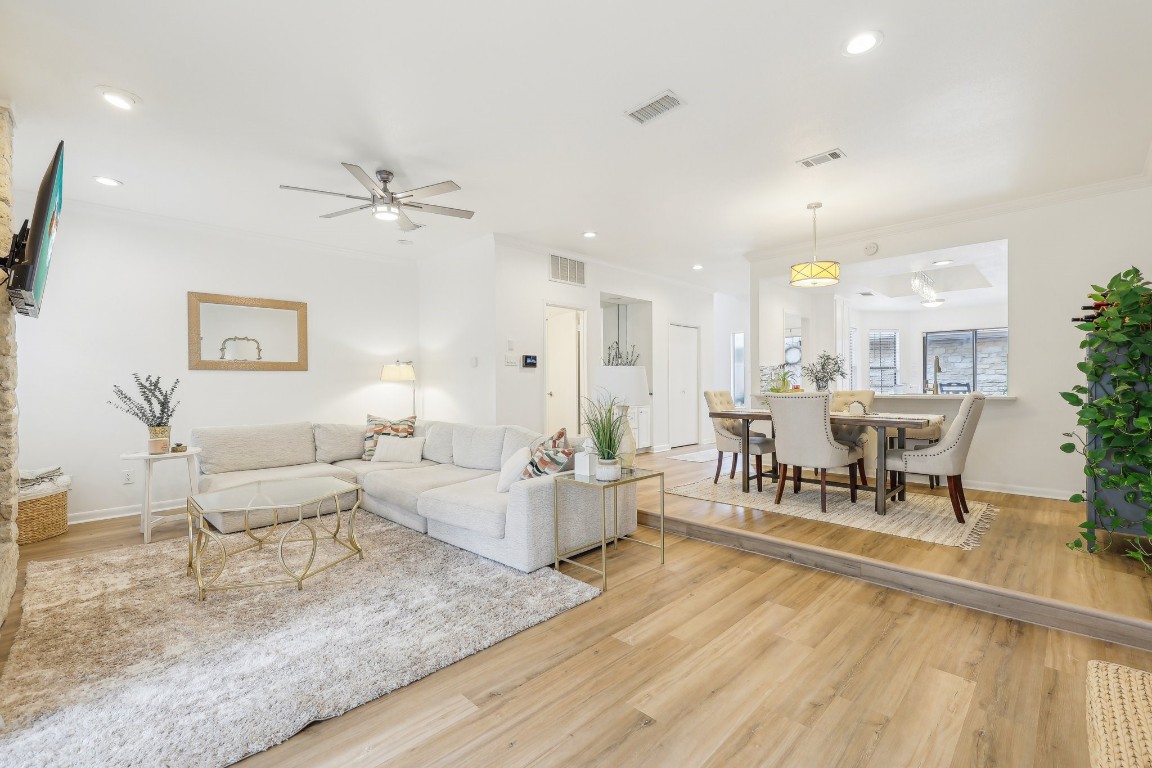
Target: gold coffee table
{"points": [[208, 556]]}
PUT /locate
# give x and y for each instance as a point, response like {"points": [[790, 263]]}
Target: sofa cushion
{"points": [[477, 447], [438, 439], [548, 461], [379, 427], [516, 438], [232, 449], [223, 481], [390, 449], [363, 468], [338, 442], [401, 487], [474, 505]]}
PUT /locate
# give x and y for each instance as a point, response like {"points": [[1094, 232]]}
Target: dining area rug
{"points": [[116, 663], [921, 517]]}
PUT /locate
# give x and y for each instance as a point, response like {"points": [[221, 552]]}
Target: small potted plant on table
{"points": [[155, 408], [825, 370], [606, 425]]}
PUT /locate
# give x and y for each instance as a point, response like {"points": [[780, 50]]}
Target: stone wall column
{"points": [[9, 471]]}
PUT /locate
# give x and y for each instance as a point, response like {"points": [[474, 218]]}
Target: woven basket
{"points": [[42, 518]]}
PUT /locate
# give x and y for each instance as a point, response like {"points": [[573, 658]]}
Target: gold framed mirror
{"points": [[237, 333]]}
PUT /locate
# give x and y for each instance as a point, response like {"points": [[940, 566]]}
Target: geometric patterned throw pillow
{"points": [[558, 440], [379, 427], [547, 460]]}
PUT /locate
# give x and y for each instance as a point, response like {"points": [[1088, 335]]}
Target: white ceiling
{"points": [[522, 103], [977, 276]]}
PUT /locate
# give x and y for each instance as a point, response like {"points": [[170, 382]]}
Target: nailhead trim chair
{"points": [[946, 457], [857, 436], [804, 439], [728, 438]]}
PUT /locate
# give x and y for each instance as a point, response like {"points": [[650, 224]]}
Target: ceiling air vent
{"points": [[665, 102], [867, 293], [565, 270], [820, 159]]}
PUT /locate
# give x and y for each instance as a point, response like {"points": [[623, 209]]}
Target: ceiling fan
{"points": [[390, 206]]}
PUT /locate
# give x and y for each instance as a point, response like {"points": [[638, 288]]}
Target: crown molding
{"points": [[518, 242], [337, 250], [1113, 186]]}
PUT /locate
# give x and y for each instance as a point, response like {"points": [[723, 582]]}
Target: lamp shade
{"points": [[626, 383], [810, 274], [398, 372]]}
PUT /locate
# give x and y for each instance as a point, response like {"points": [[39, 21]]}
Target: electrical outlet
{"points": [[128, 476]]}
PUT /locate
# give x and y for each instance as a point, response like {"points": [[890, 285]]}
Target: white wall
{"points": [[116, 303], [458, 301], [729, 316], [1057, 247], [507, 290]]}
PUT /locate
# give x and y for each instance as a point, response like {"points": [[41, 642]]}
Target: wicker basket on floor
{"points": [[42, 517]]}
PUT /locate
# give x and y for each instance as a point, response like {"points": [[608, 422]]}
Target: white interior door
{"points": [[684, 402], [562, 369]]}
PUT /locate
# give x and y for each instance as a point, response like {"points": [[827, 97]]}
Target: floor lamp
{"points": [[401, 371]]}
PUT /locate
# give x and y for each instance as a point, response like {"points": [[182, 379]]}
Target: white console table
{"points": [[148, 521]]}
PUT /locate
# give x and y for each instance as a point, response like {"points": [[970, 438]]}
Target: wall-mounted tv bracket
{"points": [[15, 251]]}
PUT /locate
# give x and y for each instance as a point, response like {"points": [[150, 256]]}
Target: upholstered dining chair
{"points": [[728, 438], [857, 436], [946, 457], [919, 438], [804, 439]]}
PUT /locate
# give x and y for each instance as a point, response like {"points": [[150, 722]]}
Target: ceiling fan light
{"points": [[386, 213]]}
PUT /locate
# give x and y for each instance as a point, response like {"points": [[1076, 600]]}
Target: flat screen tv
{"points": [[31, 250]]}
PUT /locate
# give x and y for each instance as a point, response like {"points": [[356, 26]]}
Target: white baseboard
{"points": [[661, 448], [1019, 490], [132, 510]]}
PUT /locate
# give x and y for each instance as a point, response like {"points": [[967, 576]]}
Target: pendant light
{"points": [[811, 274]]}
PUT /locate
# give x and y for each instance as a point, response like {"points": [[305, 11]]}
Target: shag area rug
{"points": [[699, 457], [921, 517], [1119, 709], [116, 663]]}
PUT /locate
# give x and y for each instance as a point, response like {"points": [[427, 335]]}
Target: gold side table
{"points": [[635, 476]]}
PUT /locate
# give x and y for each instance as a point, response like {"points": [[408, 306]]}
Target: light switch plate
{"points": [[511, 360]]}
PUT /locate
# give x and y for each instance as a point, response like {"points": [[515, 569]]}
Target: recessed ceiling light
{"points": [[942, 263], [697, 267], [404, 242], [862, 43], [589, 234], [118, 98], [107, 181]]}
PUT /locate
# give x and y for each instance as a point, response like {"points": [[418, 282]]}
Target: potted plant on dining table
{"points": [[825, 370]]}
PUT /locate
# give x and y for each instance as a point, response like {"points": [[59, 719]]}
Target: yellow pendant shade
{"points": [[811, 274]]}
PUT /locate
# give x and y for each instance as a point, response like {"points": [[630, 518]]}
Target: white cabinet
{"points": [[640, 419]]}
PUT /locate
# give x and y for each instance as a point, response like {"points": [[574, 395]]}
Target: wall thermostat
{"points": [[529, 361]]}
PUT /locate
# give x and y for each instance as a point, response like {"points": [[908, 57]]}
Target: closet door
{"points": [[684, 399]]}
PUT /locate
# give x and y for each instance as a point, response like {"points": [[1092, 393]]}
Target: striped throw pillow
{"points": [[379, 427], [546, 461]]}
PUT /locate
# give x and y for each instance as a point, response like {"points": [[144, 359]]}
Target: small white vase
{"points": [[608, 469]]}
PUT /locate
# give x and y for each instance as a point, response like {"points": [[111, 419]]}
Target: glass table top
{"points": [[273, 494], [626, 476]]}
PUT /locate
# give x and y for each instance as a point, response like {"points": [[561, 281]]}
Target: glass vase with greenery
{"points": [[1114, 408], [825, 370]]}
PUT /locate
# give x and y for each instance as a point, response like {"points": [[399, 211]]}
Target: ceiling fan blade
{"points": [[428, 191], [322, 192], [406, 224], [369, 183], [458, 213], [347, 210]]}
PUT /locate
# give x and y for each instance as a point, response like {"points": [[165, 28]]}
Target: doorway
{"points": [[683, 385], [564, 376]]}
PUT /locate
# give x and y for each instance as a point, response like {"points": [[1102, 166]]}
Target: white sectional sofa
{"points": [[450, 494]]}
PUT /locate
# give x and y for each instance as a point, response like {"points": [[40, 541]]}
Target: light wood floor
{"points": [[1024, 550], [718, 658]]}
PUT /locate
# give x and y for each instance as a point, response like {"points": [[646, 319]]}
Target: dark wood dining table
{"points": [[881, 422]]}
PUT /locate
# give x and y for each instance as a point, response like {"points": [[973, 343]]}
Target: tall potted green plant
{"points": [[606, 425], [1114, 407], [155, 409]]}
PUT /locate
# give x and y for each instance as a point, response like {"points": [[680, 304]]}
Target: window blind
{"points": [[883, 360]]}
